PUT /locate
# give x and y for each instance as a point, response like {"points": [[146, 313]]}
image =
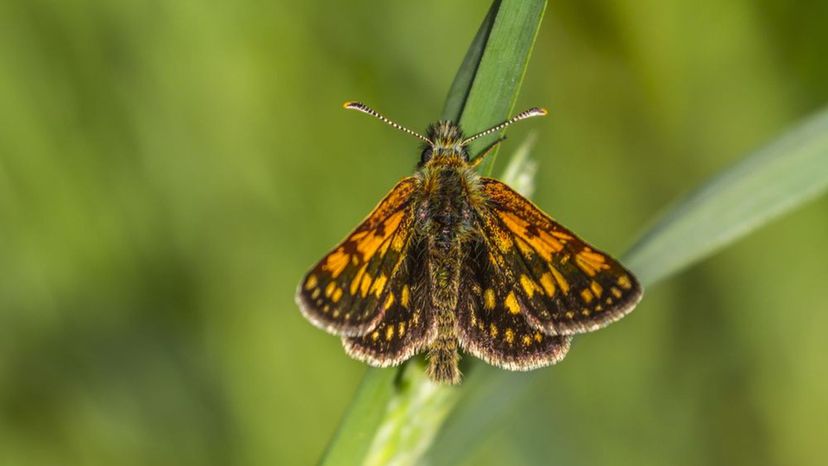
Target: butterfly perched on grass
{"points": [[451, 260]]}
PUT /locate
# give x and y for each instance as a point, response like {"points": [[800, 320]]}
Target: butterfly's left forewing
{"points": [[561, 284], [345, 292]]}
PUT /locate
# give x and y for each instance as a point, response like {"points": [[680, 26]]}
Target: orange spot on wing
{"points": [[365, 284], [547, 284], [391, 223], [358, 278], [336, 262], [590, 262]]}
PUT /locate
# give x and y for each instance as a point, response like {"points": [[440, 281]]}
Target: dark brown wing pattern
{"points": [[347, 292], [407, 325], [488, 326], [560, 284]]}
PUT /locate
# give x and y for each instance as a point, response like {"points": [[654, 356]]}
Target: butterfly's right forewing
{"points": [[344, 293]]}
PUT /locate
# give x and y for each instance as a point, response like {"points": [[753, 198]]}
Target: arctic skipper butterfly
{"points": [[453, 260]]}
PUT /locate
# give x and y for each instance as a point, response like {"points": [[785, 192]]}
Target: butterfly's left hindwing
{"points": [[560, 284], [344, 293]]}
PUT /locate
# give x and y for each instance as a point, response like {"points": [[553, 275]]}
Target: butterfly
{"points": [[450, 260]]}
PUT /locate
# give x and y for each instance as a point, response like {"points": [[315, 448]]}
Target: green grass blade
{"points": [[501, 70], [763, 186], [396, 413]]}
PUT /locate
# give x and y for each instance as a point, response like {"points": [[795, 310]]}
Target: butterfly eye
{"points": [[426, 155]]}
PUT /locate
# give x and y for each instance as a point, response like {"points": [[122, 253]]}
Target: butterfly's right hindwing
{"points": [[343, 294], [491, 326]]}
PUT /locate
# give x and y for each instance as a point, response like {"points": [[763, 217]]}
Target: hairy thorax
{"points": [[446, 218]]}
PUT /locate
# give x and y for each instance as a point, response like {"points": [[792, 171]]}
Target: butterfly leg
{"points": [[475, 161]]}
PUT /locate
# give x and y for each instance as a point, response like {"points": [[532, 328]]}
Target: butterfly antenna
{"points": [[370, 111], [532, 112]]}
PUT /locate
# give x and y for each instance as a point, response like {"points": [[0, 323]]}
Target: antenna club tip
{"points": [[541, 111], [349, 104]]}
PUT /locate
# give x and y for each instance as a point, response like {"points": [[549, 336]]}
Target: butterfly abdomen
{"points": [[446, 221]]}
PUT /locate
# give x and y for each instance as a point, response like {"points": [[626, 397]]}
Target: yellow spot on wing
{"points": [[526, 340], [596, 288], [511, 303], [616, 292], [562, 283], [315, 293], [625, 282], [404, 296], [357, 278], [489, 299], [365, 284], [509, 335], [548, 285], [311, 282], [402, 329], [388, 301], [389, 332], [586, 295], [375, 335], [330, 289], [493, 330], [378, 285], [337, 295], [398, 242], [528, 285], [538, 337]]}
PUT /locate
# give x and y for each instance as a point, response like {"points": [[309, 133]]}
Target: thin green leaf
{"points": [[396, 413], [500, 74], [763, 186]]}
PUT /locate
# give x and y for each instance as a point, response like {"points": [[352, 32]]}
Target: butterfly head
{"points": [[445, 141]]}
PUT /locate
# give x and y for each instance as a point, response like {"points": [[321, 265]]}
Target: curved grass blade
{"points": [[771, 181], [391, 404]]}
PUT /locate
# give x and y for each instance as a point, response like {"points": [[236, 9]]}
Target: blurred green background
{"points": [[169, 170]]}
